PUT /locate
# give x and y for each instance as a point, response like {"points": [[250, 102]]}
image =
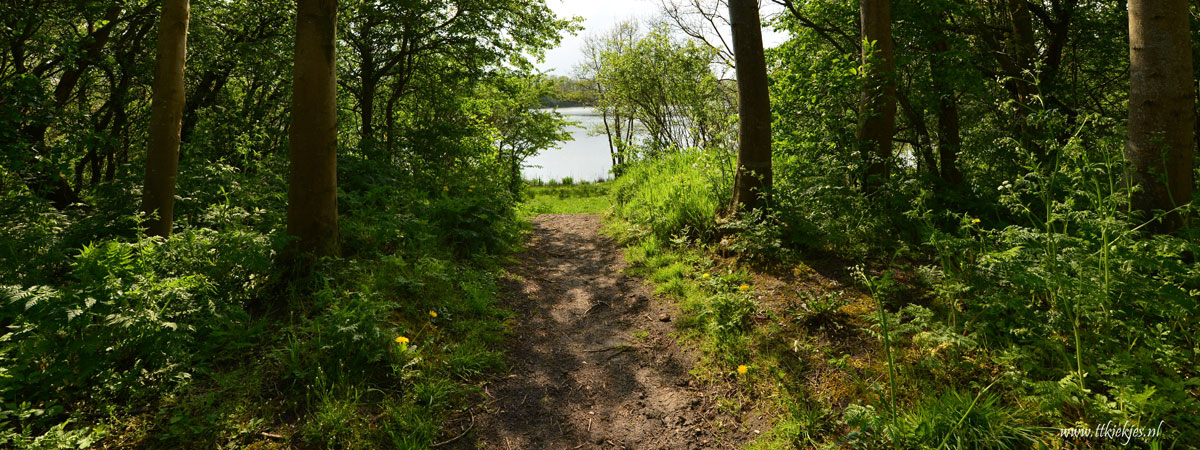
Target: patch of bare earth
{"points": [[593, 359]]}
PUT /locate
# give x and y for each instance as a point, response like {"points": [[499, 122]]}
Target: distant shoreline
{"points": [[548, 103]]}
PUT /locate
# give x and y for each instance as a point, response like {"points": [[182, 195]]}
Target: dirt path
{"points": [[593, 360]]}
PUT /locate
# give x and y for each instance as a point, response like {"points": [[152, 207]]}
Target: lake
{"points": [[585, 158]]}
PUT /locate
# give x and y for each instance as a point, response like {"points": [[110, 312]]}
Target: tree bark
{"points": [[166, 115], [877, 105], [389, 126], [1161, 109], [949, 139], [753, 177], [312, 190], [1022, 48], [949, 129], [370, 87], [369, 76], [612, 151]]}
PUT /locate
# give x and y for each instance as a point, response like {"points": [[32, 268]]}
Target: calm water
{"points": [[585, 158]]}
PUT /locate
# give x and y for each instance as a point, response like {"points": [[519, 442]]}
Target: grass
{"points": [[578, 198], [820, 361]]}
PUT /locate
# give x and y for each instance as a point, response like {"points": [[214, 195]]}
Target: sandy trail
{"points": [[592, 359]]}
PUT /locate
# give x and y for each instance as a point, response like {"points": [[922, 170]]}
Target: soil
{"points": [[593, 357]]}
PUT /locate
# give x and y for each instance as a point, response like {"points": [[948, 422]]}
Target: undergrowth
{"points": [[205, 340], [990, 324]]}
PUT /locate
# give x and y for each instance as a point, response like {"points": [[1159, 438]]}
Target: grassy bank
{"points": [[967, 335], [572, 198]]}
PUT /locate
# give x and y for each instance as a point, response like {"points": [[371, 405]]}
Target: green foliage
{"points": [[181, 341], [211, 338], [677, 193], [23, 104], [664, 84], [1028, 271], [1074, 263], [139, 319], [754, 235], [954, 420], [816, 307]]}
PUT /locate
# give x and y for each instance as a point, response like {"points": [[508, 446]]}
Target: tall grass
{"points": [[679, 192]]}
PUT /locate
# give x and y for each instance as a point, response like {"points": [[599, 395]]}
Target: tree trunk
{"points": [[94, 160], [877, 105], [370, 87], [949, 129], [612, 151], [166, 115], [949, 139], [753, 176], [390, 125], [312, 190], [1021, 49], [1161, 108]]}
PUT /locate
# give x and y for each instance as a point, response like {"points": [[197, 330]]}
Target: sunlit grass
{"points": [[579, 198]]}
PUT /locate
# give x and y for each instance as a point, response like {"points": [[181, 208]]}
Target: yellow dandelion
{"points": [[975, 221], [401, 340], [705, 276], [742, 369], [744, 287], [433, 314]]}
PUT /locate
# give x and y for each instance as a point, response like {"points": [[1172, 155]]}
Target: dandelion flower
{"points": [[742, 369], [401, 340], [433, 314], [744, 287], [974, 220], [705, 276]]}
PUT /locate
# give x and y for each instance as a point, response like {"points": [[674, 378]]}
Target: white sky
{"points": [[602, 15]]}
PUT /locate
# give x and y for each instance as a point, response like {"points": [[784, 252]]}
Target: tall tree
{"points": [[753, 176], [166, 114], [877, 105], [1161, 108], [312, 191]]}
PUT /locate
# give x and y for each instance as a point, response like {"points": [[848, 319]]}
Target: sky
{"points": [[602, 15]]}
